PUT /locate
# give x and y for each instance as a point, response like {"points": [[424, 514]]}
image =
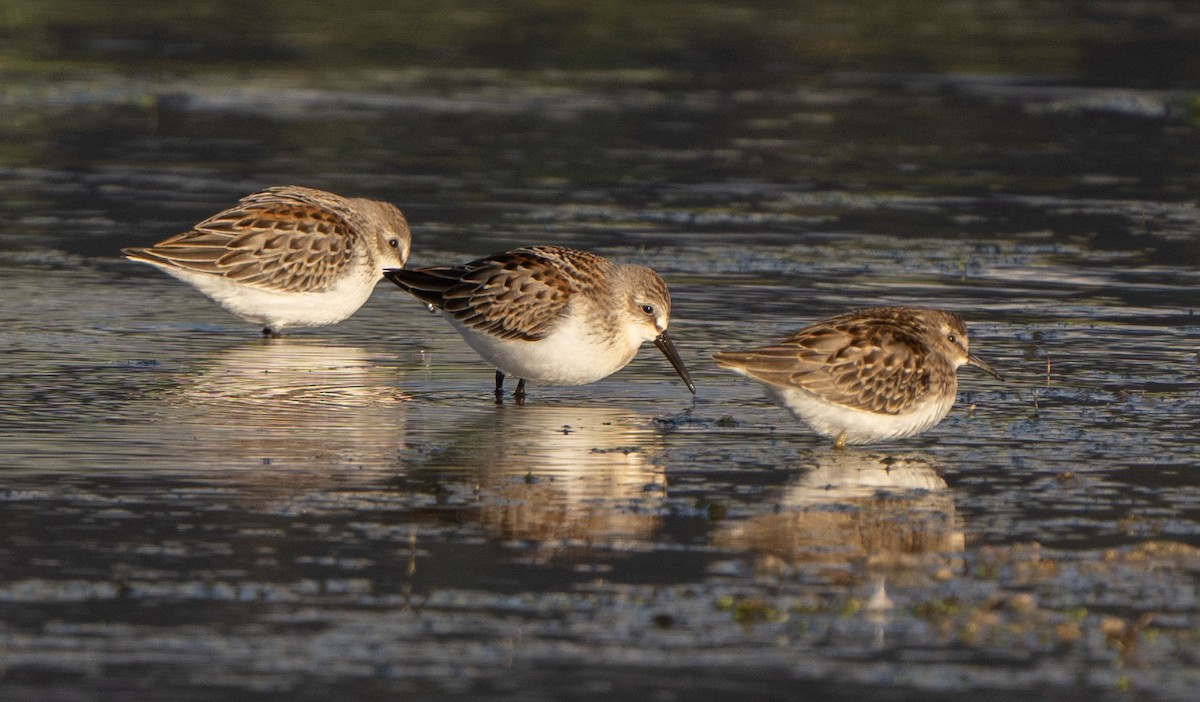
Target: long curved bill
{"points": [[973, 360], [663, 342]]}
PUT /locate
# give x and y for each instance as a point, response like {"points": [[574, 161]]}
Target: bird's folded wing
{"points": [[272, 243], [512, 295], [888, 374]]}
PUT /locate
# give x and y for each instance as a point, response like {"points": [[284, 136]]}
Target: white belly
{"points": [[569, 356], [279, 310], [859, 427]]}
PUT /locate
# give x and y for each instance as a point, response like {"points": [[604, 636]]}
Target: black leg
{"points": [[499, 386], [519, 395]]}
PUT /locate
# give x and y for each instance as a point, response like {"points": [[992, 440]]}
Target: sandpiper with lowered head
{"points": [[865, 376], [287, 256], [550, 314]]}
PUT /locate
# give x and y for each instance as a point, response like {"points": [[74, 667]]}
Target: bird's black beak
{"points": [[663, 342], [973, 360]]}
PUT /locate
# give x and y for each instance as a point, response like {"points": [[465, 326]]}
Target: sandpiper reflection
{"points": [[889, 511], [555, 474], [290, 403]]}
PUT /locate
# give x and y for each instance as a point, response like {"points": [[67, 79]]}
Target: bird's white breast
{"points": [[279, 310], [571, 355], [859, 426]]}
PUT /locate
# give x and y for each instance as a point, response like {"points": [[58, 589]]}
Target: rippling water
{"points": [[189, 510]]}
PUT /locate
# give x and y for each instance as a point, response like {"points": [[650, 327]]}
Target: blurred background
{"points": [[142, 117]]}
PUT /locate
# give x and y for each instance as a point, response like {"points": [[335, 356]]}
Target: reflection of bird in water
{"points": [[891, 511], [293, 403], [846, 475], [556, 474]]}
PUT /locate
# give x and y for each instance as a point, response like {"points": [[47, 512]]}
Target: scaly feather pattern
{"points": [[518, 294]]}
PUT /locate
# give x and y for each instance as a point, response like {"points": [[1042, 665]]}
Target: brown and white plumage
{"points": [[287, 256], [868, 375], [550, 314]]}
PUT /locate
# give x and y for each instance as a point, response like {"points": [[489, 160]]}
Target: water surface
{"points": [[189, 510]]}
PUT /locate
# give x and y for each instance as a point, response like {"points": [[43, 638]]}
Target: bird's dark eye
{"points": [[648, 309], [953, 339], [394, 243]]}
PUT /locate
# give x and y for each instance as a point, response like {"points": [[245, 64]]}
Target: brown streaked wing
{"points": [[889, 373], [517, 294], [274, 243]]}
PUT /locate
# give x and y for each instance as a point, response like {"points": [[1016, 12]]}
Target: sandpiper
{"points": [[865, 376], [549, 314], [287, 256]]}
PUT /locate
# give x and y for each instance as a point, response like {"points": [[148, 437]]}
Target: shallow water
{"points": [[189, 510]]}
